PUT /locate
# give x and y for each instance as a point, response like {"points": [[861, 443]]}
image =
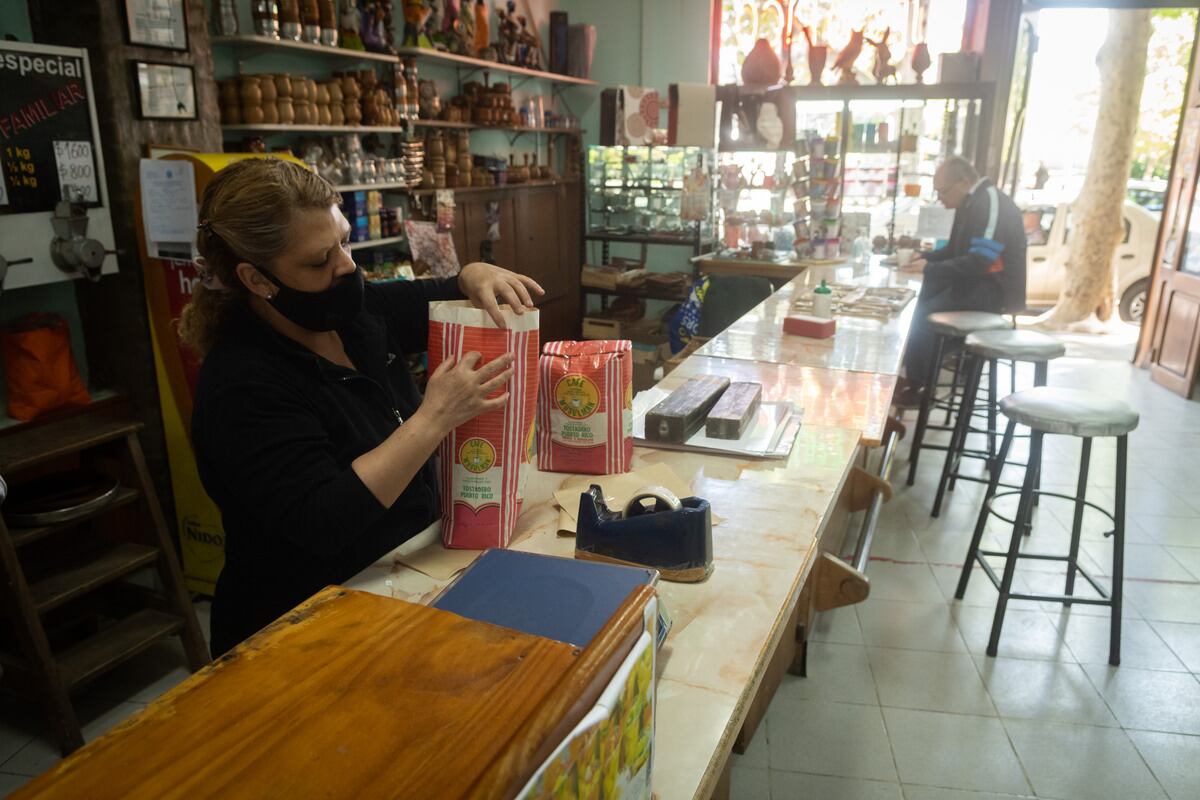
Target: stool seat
{"points": [[1069, 411], [960, 323], [1015, 345]]}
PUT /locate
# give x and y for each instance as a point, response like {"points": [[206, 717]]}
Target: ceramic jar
{"points": [[231, 102]]}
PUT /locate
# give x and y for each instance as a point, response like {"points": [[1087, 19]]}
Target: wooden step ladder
{"points": [[44, 665]]}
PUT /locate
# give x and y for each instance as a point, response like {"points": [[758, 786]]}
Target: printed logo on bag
{"points": [[477, 455], [576, 396], [530, 445]]}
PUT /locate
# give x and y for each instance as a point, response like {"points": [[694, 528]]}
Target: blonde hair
{"points": [[246, 215]]}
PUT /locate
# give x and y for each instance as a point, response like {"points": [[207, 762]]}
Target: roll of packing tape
{"points": [[664, 500]]}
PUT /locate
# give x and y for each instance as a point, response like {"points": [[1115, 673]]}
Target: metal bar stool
{"points": [[949, 328], [1067, 412], [990, 347]]}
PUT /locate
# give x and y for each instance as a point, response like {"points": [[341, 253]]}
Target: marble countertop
{"points": [[726, 627], [860, 344], [829, 397]]}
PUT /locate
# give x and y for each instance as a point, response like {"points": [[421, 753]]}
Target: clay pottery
{"points": [[435, 146], [817, 56], [229, 92], [761, 67], [337, 114], [283, 85], [324, 116], [300, 90], [351, 89], [921, 60], [368, 79], [335, 92], [266, 84], [321, 94], [250, 92], [286, 111], [353, 112]]}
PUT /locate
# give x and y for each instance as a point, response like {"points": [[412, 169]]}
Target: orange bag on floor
{"points": [[39, 369]]}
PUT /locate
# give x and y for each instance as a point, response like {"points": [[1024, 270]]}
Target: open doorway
{"points": [[1052, 119]]}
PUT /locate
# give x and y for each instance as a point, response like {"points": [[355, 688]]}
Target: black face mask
{"points": [[319, 311]]}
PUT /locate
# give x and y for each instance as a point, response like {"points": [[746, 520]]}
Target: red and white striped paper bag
{"points": [[585, 407], [484, 463]]}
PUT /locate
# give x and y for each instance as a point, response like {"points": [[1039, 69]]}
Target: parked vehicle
{"points": [[1048, 234]]}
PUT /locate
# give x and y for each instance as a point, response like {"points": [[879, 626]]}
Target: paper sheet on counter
{"points": [[426, 554], [617, 491]]}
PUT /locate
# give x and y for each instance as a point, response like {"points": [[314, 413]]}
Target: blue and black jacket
{"points": [[987, 246]]}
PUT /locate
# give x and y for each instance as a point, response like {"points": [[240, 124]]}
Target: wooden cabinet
{"points": [[539, 237]]}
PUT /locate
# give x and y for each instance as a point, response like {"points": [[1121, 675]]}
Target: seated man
{"points": [[982, 268]]}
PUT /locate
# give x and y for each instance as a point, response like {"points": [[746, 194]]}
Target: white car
{"points": [[1048, 234]]}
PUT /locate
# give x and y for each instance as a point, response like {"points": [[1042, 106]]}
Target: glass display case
{"points": [[649, 195], [854, 167]]}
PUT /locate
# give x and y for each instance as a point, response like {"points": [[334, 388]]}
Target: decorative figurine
{"points": [[507, 35], [372, 29], [921, 60], [769, 125], [416, 12], [350, 26], [846, 58], [480, 43], [883, 68], [817, 55], [761, 67]]}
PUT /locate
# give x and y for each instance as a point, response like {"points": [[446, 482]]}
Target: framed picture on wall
{"points": [[157, 23], [165, 91]]}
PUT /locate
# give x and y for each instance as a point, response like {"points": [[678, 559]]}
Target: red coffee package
{"points": [[585, 407], [485, 462]]}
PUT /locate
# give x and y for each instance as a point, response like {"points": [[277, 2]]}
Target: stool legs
{"points": [[1024, 510], [926, 404], [1085, 458], [958, 438], [1118, 576], [993, 381], [981, 522]]}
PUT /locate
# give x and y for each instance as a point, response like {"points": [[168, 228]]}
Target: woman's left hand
{"points": [[484, 283]]}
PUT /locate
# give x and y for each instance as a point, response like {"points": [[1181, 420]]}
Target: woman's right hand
{"points": [[458, 392]]}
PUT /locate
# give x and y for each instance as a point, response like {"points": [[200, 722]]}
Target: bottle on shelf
{"points": [[290, 27], [266, 18]]}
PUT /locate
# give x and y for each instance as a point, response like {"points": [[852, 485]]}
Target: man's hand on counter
{"points": [[915, 265], [487, 286]]}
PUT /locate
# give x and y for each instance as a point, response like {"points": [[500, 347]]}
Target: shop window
{"points": [[938, 23]]}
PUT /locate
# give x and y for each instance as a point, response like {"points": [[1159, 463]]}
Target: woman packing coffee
{"points": [[309, 431]]}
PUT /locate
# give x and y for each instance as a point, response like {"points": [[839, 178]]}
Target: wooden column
{"points": [[115, 323]]}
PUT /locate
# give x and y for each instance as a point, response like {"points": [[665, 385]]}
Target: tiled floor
{"points": [[901, 700]]}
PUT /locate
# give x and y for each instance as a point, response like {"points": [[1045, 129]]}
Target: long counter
{"points": [[739, 631], [773, 517]]}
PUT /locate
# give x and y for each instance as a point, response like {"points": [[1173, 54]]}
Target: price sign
{"points": [[76, 171], [45, 129]]}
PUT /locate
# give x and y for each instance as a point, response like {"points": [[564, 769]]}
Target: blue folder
{"points": [[558, 598]]}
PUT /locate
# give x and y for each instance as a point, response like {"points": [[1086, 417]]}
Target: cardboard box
{"points": [[811, 327], [646, 361], [692, 346], [602, 328]]}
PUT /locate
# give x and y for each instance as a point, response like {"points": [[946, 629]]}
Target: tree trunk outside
{"points": [[1088, 283]]}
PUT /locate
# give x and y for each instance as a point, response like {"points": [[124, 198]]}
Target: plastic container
{"points": [[823, 301]]}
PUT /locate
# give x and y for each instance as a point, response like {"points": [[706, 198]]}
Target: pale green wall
{"points": [[58, 298]]}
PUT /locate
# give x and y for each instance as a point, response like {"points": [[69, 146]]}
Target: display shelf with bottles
{"points": [[644, 196]]}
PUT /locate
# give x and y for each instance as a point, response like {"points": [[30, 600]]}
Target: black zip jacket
{"points": [[275, 428], [986, 252]]}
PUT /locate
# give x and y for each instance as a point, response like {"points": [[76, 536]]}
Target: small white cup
{"points": [[903, 256]]}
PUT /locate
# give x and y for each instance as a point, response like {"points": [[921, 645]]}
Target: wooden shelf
{"points": [[37, 444], [73, 582], [367, 245], [646, 238], [441, 123], [489, 66], [249, 42], [22, 536], [115, 644], [471, 126], [316, 128], [372, 187], [501, 188]]}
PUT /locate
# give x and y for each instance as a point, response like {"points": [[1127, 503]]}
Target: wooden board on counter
{"points": [[356, 695]]}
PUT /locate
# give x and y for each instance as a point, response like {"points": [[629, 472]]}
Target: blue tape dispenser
{"points": [[655, 529]]}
